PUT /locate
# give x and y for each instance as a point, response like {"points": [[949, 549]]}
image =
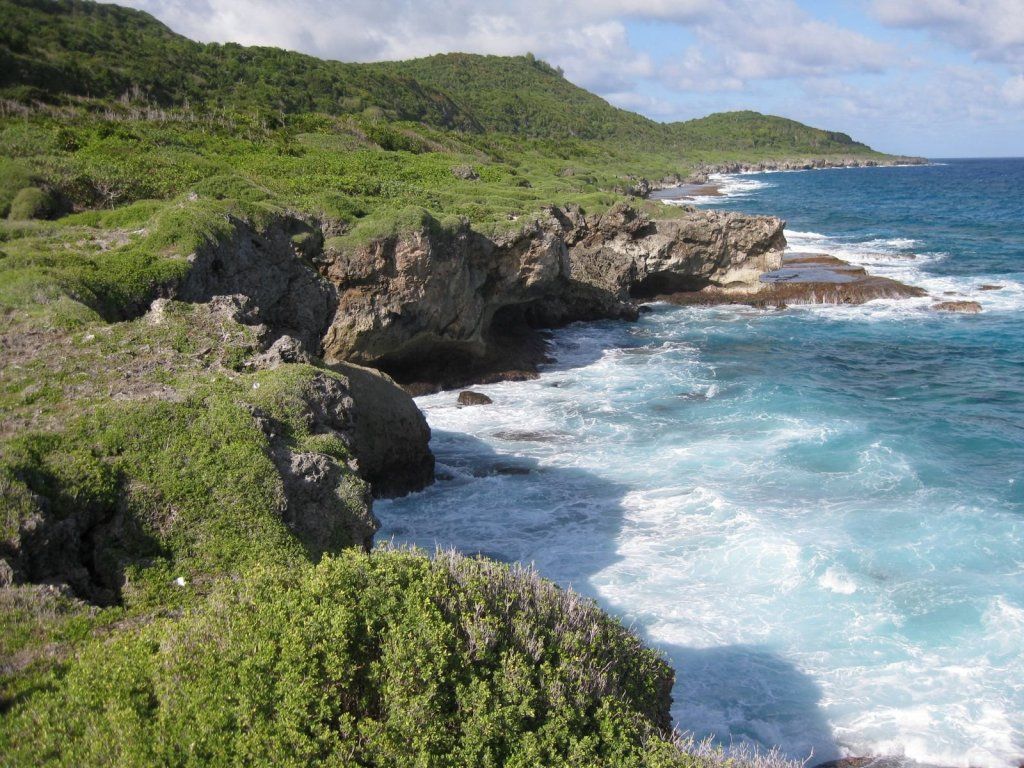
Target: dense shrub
{"points": [[31, 203], [388, 659]]}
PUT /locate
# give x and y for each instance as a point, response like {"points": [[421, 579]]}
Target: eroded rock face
{"points": [[378, 422], [390, 436], [405, 298], [406, 302], [273, 269], [627, 254]]}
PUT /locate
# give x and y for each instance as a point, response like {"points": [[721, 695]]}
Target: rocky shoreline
{"points": [[433, 309], [701, 174]]}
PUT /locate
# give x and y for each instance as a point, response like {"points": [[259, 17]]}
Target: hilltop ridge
{"points": [[54, 49]]}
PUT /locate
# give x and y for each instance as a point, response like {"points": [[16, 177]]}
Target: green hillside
{"points": [[54, 49], [50, 50], [525, 96], [753, 132]]}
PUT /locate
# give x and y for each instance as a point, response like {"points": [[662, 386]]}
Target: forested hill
{"points": [[51, 50]]}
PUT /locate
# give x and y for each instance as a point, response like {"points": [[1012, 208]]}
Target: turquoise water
{"points": [[817, 513]]}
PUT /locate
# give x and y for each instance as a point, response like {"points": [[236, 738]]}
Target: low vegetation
{"points": [[383, 659]]}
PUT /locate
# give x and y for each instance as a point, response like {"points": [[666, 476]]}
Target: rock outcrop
{"points": [[961, 306], [808, 164], [449, 306], [272, 267], [86, 545], [469, 397], [806, 279], [409, 303], [390, 437]]}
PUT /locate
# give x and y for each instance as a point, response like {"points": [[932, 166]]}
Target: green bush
{"points": [[388, 659], [31, 203], [14, 177]]}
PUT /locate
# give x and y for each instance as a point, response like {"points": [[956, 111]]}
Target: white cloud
{"points": [[739, 40], [1013, 91], [990, 29]]}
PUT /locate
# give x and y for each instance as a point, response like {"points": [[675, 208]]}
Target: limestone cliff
{"points": [[405, 300]]}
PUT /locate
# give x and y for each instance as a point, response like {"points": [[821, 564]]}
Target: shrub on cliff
{"points": [[383, 659]]}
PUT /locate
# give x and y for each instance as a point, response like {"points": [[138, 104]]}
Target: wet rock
{"points": [[468, 397], [874, 762], [526, 436], [965, 307], [988, 287], [806, 279]]}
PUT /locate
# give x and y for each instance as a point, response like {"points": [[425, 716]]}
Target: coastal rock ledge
{"points": [[451, 306]]}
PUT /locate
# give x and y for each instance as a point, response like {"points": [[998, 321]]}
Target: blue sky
{"points": [[941, 78]]}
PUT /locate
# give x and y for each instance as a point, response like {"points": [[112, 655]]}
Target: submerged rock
{"points": [[807, 279], [468, 397], [965, 307]]}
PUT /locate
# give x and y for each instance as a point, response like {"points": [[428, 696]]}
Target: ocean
{"points": [[816, 513]]}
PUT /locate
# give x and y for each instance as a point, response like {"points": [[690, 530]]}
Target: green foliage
{"points": [[31, 203], [69, 47], [754, 132], [382, 659], [14, 177], [229, 646]]}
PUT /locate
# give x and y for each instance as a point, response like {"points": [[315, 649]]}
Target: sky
{"points": [[939, 78]]}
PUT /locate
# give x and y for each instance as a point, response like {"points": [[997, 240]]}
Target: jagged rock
{"points": [[287, 349], [468, 397], [406, 300], [325, 508], [273, 269], [466, 172], [626, 253], [806, 279], [423, 304], [966, 307]]}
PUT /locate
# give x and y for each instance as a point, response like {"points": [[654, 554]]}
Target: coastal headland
{"points": [[222, 271]]}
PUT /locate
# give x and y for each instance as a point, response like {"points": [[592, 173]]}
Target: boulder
{"points": [[390, 436], [468, 397], [965, 307], [466, 172]]}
